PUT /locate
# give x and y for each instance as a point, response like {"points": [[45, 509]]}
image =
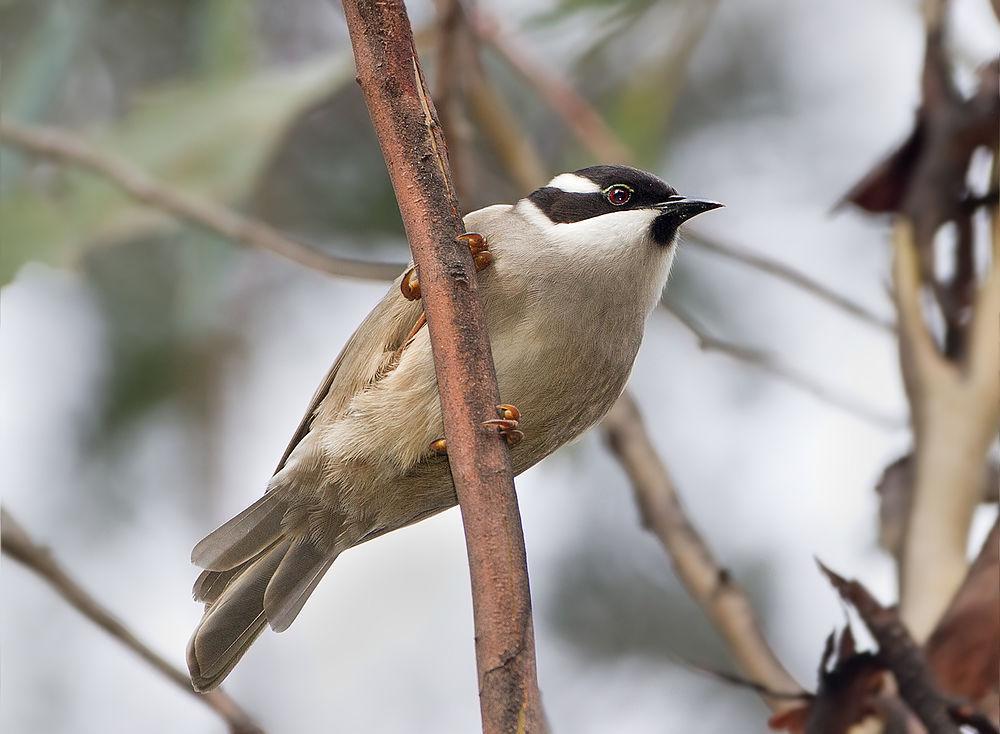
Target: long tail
{"points": [[256, 574]]}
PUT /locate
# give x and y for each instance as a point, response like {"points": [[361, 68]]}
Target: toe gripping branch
{"points": [[481, 257], [506, 423]]}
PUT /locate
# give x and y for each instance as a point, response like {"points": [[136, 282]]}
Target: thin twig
{"points": [[66, 148], [499, 125], [590, 130], [18, 545], [710, 585], [450, 80], [789, 275], [768, 363], [403, 115], [577, 113]]}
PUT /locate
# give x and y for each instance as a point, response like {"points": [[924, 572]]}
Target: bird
{"points": [[567, 275]]}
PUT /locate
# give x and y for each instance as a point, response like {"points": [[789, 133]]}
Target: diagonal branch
{"points": [[573, 109], [18, 545], [720, 597], [65, 148], [415, 153], [791, 276], [769, 364]]}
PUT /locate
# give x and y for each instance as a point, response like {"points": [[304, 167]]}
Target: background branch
{"points": [[791, 276], [18, 545], [415, 153], [720, 598], [955, 411], [65, 148], [769, 364], [900, 654]]}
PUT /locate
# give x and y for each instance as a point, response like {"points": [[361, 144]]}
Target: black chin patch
{"points": [[664, 229]]}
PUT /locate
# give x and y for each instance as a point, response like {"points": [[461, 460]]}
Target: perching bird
{"points": [[568, 277]]}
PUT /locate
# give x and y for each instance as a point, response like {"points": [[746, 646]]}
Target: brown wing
{"points": [[368, 355]]}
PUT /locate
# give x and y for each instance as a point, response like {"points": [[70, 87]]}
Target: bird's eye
{"points": [[618, 195]]}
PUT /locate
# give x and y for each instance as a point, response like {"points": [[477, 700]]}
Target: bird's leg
{"points": [[421, 320], [481, 257], [507, 423]]}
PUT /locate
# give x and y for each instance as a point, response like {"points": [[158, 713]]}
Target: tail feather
{"points": [[300, 571], [209, 585], [256, 575], [245, 536], [232, 623]]}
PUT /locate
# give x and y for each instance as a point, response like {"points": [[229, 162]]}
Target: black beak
{"points": [[675, 211], [679, 209]]}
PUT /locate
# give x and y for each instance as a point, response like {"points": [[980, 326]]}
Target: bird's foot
{"points": [[508, 423], [410, 285], [481, 255], [481, 258]]}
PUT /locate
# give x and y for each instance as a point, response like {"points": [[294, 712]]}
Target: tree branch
{"points": [[414, 149], [791, 276], [65, 148], [955, 411], [720, 598], [573, 109], [18, 545], [901, 654], [769, 364]]}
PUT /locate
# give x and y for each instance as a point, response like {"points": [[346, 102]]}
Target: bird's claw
{"points": [[507, 423], [481, 255], [409, 286]]}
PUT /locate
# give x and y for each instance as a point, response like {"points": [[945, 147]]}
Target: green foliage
{"points": [[208, 138]]}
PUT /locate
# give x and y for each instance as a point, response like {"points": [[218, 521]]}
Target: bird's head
{"points": [[613, 205]]}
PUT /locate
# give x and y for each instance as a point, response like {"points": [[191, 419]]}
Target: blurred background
{"points": [[152, 373]]}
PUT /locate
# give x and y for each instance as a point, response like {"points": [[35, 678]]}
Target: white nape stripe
{"points": [[531, 213], [573, 184]]}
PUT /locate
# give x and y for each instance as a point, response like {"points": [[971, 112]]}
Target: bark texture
{"points": [[415, 153]]}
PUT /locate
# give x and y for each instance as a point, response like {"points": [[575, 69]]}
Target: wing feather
{"points": [[364, 360]]}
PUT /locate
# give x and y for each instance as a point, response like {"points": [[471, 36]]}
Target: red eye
{"points": [[619, 195]]}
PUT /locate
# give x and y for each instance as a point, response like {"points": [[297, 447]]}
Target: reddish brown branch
{"points": [[709, 584], [414, 149], [18, 545], [900, 654]]}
